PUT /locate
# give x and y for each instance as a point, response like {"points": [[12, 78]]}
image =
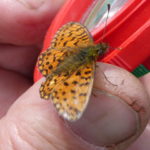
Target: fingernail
{"points": [[106, 121]]}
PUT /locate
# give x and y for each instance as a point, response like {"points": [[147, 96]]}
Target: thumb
{"points": [[32, 123], [24, 22], [111, 120]]}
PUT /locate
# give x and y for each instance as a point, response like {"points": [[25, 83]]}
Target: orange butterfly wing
{"points": [[66, 42], [71, 96]]}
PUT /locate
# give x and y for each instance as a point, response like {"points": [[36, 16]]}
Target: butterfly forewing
{"points": [[72, 35], [50, 59], [67, 41]]}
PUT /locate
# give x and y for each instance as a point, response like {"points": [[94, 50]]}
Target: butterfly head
{"points": [[98, 50], [102, 48]]}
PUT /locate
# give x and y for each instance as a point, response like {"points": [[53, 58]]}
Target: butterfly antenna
{"points": [[104, 31]]}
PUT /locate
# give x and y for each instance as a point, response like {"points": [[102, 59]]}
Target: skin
{"points": [[118, 111]]}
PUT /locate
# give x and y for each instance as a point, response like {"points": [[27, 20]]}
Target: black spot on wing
{"points": [[73, 91], [50, 67], [65, 43], [83, 94], [66, 83], [87, 72], [75, 82], [78, 73], [63, 92]]}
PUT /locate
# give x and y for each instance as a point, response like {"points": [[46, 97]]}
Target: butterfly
{"points": [[69, 65]]}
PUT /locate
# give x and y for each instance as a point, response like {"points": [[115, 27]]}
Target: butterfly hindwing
{"points": [[71, 96], [50, 83]]}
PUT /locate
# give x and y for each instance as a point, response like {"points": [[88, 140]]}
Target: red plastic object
{"points": [[129, 30]]}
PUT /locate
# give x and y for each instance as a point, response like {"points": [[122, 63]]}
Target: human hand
{"points": [[32, 123]]}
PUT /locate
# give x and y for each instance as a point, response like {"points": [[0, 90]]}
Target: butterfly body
{"points": [[84, 56], [68, 66]]}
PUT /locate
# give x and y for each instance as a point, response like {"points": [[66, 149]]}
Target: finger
{"points": [[32, 123], [146, 80], [143, 142], [20, 59], [108, 120], [12, 85], [24, 22], [118, 111]]}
